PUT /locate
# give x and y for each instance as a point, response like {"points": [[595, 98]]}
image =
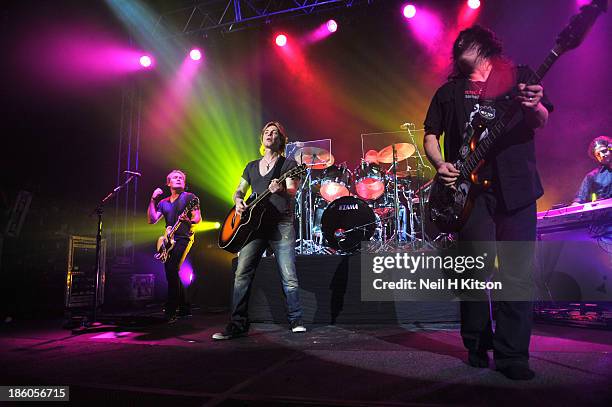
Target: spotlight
{"points": [[473, 4], [217, 225], [281, 40], [146, 61], [195, 54], [332, 26], [409, 11]]}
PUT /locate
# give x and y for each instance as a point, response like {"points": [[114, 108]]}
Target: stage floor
{"points": [[329, 365]]}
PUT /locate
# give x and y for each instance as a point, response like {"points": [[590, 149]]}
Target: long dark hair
{"points": [[489, 46]]}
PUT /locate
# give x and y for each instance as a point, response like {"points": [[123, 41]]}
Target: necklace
{"points": [[268, 163]]}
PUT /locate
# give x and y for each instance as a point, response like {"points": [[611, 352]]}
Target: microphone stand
{"points": [[99, 210]]}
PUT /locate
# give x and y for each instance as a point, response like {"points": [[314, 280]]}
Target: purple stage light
{"points": [[195, 54], [409, 11], [146, 61], [281, 40], [332, 26], [186, 273], [473, 4]]}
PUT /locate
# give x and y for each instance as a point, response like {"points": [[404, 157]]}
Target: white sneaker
{"points": [[297, 326]]}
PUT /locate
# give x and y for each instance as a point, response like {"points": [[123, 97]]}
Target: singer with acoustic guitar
{"points": [[181, 212], [275, 228]]}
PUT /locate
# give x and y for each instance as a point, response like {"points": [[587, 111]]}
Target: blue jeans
{"points": [[281, 238]]}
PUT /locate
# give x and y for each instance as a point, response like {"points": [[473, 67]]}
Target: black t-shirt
{"points": [[478, 105], [512, 159], [279, 206], [172, 211]]}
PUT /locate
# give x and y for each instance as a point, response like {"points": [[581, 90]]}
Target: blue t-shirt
{"points": [[598, 182], [172, 211]]}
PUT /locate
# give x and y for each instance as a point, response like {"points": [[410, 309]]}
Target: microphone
{"points": [[405, 126], [134, 173]]}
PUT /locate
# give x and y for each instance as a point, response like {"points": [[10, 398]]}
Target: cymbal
{"points": [[371, 157], [313, 157], [322, 165], [402, 151]]}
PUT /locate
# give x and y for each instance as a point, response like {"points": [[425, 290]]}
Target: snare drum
{"points": [[335, 182], [370, 181]]}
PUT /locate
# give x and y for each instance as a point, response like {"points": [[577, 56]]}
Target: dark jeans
{"points": [[176, 291], [281, 238], [490, 222]]}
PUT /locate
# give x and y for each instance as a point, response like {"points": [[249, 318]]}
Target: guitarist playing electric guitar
{"points": [[483, 83], [276, 230], [172, 208]]}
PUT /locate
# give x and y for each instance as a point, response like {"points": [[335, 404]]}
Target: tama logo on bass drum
{"points": [[348, 207]]}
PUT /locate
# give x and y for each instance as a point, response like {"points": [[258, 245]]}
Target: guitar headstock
{"points": [[192, 204], [580, 24]]}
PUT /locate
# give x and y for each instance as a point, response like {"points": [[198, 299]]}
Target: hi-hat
{"points": [[314, 157], [402, 151]]}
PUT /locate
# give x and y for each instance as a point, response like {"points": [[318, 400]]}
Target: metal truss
{"points": [[232, 15]]}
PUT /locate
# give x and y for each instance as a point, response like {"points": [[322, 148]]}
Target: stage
{"points": [[391, 365], [330, 291]]}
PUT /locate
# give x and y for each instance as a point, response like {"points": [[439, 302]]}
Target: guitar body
{"points": [[450, 206], [164, 247], [165, 243], [238, 229]]}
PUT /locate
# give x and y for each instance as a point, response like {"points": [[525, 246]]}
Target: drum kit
{"points": [[377, 202]]}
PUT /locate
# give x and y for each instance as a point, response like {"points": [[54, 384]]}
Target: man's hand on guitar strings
{"points": [[448, 173], [240, 206]]}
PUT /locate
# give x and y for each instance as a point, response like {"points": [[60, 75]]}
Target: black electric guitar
{"points": [[237, 229], [450, 206], [165, 243]]}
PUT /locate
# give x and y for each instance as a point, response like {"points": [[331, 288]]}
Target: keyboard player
{"points": [[597, 184]]}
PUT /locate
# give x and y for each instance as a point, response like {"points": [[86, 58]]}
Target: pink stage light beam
{"points": [[332, 26], [409, 11], [195, 54], [473, 4], [281, 40], [146, 61]]}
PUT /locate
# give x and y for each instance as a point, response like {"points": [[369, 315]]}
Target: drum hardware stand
{"points": [[420, 173], [395, 198], [302, 210]]}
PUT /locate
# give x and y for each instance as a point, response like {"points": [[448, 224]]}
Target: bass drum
{"points": [[347, 222]]}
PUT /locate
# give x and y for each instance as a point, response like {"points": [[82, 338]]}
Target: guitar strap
{"points": [[279, 167]]}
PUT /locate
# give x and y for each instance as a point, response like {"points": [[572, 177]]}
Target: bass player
{"points": [[482, 83]]}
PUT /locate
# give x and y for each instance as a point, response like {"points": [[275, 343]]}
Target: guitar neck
{"points": [[178, 222], [496, 130]]}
